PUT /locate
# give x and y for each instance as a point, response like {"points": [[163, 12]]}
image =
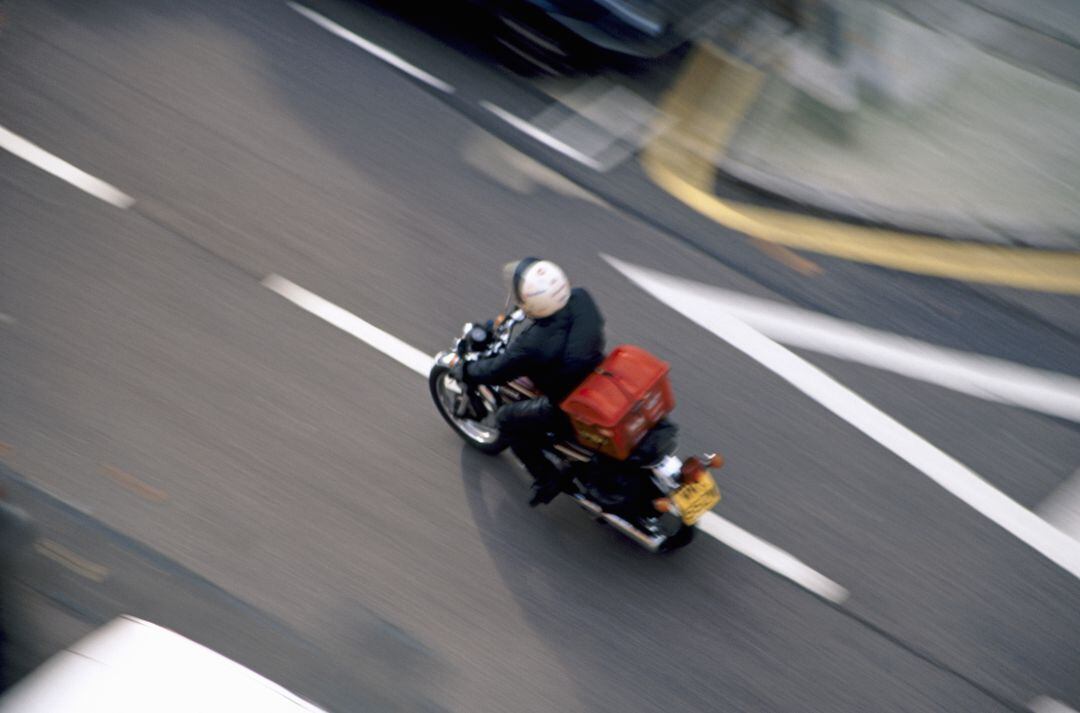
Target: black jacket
{"points": [[556, 352]]}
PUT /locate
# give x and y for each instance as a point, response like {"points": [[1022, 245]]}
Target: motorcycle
{"points": [[653, 497]]}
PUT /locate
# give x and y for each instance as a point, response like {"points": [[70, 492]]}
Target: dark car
{"points": [[555, 35]]}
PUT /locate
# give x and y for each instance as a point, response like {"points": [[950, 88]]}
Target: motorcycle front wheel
{"points": [[445, 391]]}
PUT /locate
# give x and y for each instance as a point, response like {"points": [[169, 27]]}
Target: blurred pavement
{"points": [[194, 446], [959, 129]]}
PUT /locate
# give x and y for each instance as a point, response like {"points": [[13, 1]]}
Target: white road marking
{"points": [[973, 374], [1062, 509], [542, 136], [601, 119], [1044, 704], [770, 556], [940, 467], [385, 342], [504, 164], [63, 170], [711, 524], [372, 48]]}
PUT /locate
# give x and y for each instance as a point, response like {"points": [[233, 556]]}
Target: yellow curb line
{"points": [[681, 162], [65, 557], [130, 482]]}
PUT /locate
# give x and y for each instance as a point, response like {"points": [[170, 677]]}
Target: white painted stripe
{"points": [[63, 170], [974, 374], [711, 524], [946, 471], [525, 55], [372, 48], [1044, 704], [1062, 509], [542, 136], [770, 556], [386, 343]]}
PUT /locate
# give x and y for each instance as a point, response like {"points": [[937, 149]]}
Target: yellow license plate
{"points": [[696, 499]]}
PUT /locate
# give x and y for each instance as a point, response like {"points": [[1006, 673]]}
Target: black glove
{"points": [[463, 406], [458, 371]]}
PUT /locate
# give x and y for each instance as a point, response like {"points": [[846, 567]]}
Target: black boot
{"points": [[544, 491], [547, 480]]}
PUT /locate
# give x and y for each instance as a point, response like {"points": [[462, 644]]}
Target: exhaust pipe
{"points": [[652, 544]]}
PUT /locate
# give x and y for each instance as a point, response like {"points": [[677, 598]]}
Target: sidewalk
{"points": [[885, 119]]}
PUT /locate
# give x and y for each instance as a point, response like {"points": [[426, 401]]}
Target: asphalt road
{"points": [[226, 457]]}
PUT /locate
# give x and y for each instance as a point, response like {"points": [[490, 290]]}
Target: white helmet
{"points": [[538, 287]]}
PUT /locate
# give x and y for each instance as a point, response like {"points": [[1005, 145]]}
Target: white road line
{"points": [[1044, 704], [772, 557], [973, 374], [372, 48], [542, 136], [1062, 509], [386, 343], [711, 524], [62, 169], [946, 471]]}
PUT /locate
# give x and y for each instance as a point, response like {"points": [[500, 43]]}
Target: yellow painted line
{"points": [[65, 557], [710, 98], [682, 162], [130, 482]]}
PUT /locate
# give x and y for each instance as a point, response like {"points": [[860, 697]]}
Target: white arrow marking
{"points": [[697, 302], [1045, 704], [1062, 509], [985, 377]]}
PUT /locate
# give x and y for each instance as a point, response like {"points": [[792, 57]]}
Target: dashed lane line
{"points": [[348, 322], [63, 170], [373, 49], [727, 532], [771, 557], [542, 136]]}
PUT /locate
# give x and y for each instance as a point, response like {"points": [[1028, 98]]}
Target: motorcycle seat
{"points": [[524, 386], [573, 451]]}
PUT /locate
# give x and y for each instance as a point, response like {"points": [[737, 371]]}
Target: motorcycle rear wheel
{"points": [[485, 439], [680, 539]]}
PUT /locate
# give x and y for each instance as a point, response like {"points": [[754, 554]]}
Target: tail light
{"points": [[694, 468], [691, 470], [693, 476]]}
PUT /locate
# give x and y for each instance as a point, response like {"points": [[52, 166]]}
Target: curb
{"points": [[804, 197]]}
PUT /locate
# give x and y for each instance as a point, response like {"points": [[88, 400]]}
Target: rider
{"points": [[556, 350]]}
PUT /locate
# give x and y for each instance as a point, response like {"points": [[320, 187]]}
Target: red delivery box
{"points": [[620, 401]]}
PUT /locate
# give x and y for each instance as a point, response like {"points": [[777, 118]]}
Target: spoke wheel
{"points": [[446, 393]]}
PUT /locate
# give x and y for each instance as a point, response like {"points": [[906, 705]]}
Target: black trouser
{"points": [[526, 424]]}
